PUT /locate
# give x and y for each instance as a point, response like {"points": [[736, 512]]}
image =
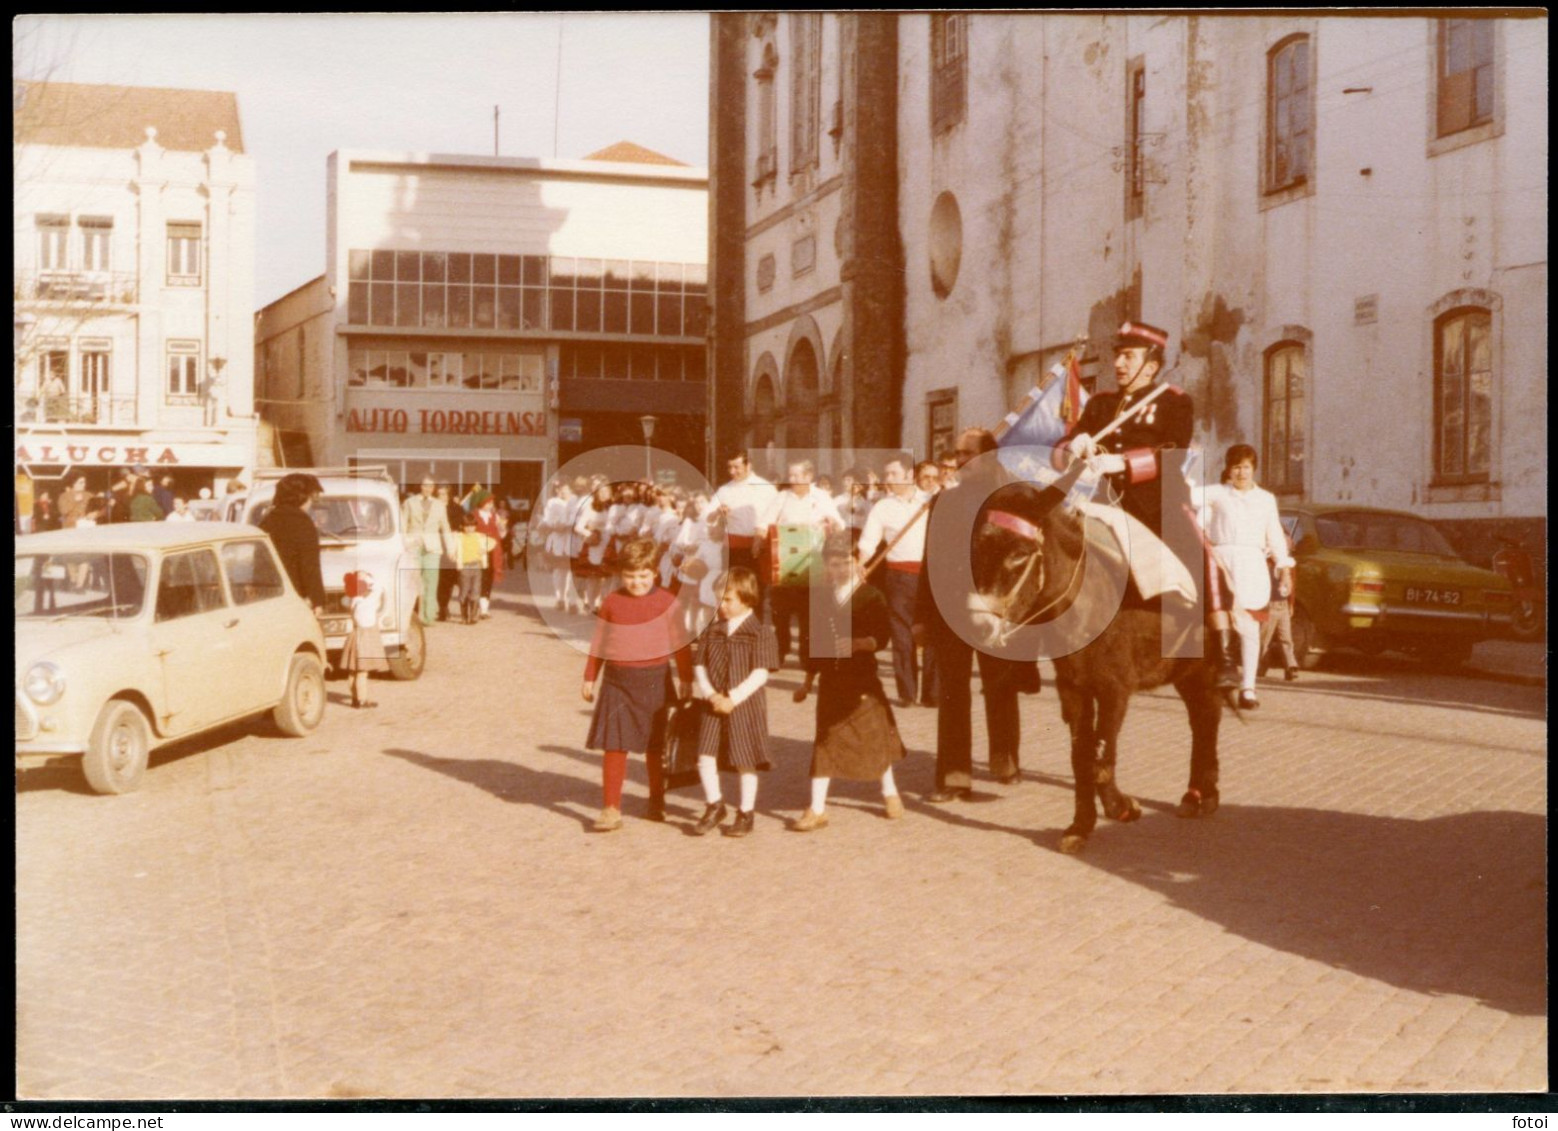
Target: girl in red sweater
{"points": [[637, 632]]}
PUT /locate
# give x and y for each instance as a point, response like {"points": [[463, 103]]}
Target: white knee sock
{"points": [[889, 787], [748, 792], [708, 774], [1250, 654], [819, 794]]}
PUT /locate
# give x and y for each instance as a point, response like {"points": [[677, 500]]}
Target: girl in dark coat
{"points": [[856, 737], [636, 633], [737, 655]]}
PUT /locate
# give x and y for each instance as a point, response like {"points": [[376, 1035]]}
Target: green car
{"points": [[1376, 579]]}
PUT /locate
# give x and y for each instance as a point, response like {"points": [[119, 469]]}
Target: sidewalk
{"points": [[1512, 661]]}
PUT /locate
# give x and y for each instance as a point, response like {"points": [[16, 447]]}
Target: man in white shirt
{"points": [[740, 501], [900, 512], [852, 504], [801, 504]]}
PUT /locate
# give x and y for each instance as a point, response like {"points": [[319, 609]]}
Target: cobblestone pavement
{"points": [[408, 904]]}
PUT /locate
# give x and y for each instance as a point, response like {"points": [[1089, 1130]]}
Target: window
{"points": [[805, 89], [93, 405], [1463, 395], [949, 69], [941, 422], [183, 372], [96, 238], [190, 583], [251, 572], [54, 381], [1289, 114], [1286, 419], [1465, 86], [767, 118], [53, 232], [184, 255], [1135, 140]]}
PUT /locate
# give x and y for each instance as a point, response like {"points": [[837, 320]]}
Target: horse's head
{"points": [[1027, 546]]}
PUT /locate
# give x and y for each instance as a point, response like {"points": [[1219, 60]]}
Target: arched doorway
{"points": [[763, 412], [800, 384]]}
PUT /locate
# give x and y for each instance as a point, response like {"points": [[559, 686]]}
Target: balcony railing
{"points": [[102, 411], [99, 288]]}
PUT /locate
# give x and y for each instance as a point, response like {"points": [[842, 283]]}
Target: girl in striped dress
{"points": [[737, 655], [637, 633]]}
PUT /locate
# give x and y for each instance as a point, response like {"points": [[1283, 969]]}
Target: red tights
{"points": [[615, 771]]}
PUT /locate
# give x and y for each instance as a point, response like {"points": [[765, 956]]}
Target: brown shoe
{"points": [[810, 821], [894, 807], [609, 821]]}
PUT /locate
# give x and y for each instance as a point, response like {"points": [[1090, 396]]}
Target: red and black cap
{"points": [[1140, 334]]}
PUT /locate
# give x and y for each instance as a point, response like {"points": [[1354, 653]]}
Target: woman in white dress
{"points": [[557, 530], [1245, 530]]}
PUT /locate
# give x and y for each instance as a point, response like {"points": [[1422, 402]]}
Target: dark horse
{"points": [[1038, 563]]}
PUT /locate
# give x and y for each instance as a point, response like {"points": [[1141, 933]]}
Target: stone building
{"points": [[133, 261], [485, 319], [1341, 220]]}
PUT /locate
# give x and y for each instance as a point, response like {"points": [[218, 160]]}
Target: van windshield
{"points": [[345, 517]]}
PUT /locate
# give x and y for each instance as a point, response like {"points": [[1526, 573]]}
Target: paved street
{"points": [[408, 904]]}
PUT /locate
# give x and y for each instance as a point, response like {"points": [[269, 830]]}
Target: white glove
{"points": [[1106, 463], [1083, 445]]}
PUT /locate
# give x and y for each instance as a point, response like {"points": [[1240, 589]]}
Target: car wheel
{"points": [[1527, 625], [117, 753], [413, 651], [303, 705], [1306, 640]]}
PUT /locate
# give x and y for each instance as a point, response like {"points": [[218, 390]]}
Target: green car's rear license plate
{"points": [[1425, 595]]}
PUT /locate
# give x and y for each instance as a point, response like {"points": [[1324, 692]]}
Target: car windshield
{"points": [[80, 584], [348, 517], [1360, 530]]}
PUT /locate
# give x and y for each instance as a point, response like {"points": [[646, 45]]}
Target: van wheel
{"points": [[413, 651], [303, 705], [119, 748]]}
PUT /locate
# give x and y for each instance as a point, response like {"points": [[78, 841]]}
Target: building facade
{"points": [[134, 266], [1341, 220], [485, 319]]}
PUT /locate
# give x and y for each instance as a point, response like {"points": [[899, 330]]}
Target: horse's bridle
{"points": [[1028, 532]]}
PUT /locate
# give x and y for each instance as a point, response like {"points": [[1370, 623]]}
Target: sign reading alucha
{"points": [[446, 422], [70, 452]]}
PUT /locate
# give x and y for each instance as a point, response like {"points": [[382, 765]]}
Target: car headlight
{"points": [[44, 683]]}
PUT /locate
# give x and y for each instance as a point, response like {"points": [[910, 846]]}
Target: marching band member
{"points": [[802, 505], [899, 512]]}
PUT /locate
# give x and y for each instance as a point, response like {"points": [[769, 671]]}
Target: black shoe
{"points": [[903, 704], [712, 816], [946, 794], [1247, 701], [1010, 779], [656, 810], [1290, 675], [741, 826]]}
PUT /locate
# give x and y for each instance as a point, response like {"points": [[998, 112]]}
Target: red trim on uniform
{"points": [[1018, 526], [905, 567], [1141, 465]]}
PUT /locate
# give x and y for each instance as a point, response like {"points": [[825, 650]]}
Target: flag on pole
{"points": [[1047, 414]]}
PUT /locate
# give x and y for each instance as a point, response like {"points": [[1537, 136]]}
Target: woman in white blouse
{"points": [[1245, 530]]}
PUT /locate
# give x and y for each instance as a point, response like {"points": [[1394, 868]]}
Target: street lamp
{"points": [[649, 434]]}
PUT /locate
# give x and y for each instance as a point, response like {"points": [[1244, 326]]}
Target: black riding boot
{"points": [[1228, 675]]}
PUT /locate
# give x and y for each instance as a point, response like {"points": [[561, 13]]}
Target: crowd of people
{"points": [[646, 561], [133, 495]]}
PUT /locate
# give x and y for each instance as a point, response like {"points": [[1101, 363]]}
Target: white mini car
{"points": [[133, 635]]}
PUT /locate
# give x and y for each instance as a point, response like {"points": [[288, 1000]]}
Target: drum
{"points": [[793, 553]]}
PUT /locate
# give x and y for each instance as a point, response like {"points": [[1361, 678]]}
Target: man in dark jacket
{"points": [[296, 537]]}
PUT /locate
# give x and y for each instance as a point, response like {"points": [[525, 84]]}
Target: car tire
{"points": [[1306, 640], [303, 704], [120, 746], [413, 651]]}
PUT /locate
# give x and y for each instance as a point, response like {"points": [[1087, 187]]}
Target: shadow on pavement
{"points": [[1451, 905], [1401, 684], [509, 781]]}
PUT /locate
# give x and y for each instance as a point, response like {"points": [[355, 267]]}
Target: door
{"points": [[192, 642], [256, 625]]}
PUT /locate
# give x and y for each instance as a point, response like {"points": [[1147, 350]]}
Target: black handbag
{"points": [[678, 727]]}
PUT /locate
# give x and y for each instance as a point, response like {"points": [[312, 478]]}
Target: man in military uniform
{"points": [[1142, 462]]}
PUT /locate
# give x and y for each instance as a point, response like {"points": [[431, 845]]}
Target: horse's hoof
{"points": [[1072, 843], [1131, 812], [1209, 805], [1190, 804]]}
